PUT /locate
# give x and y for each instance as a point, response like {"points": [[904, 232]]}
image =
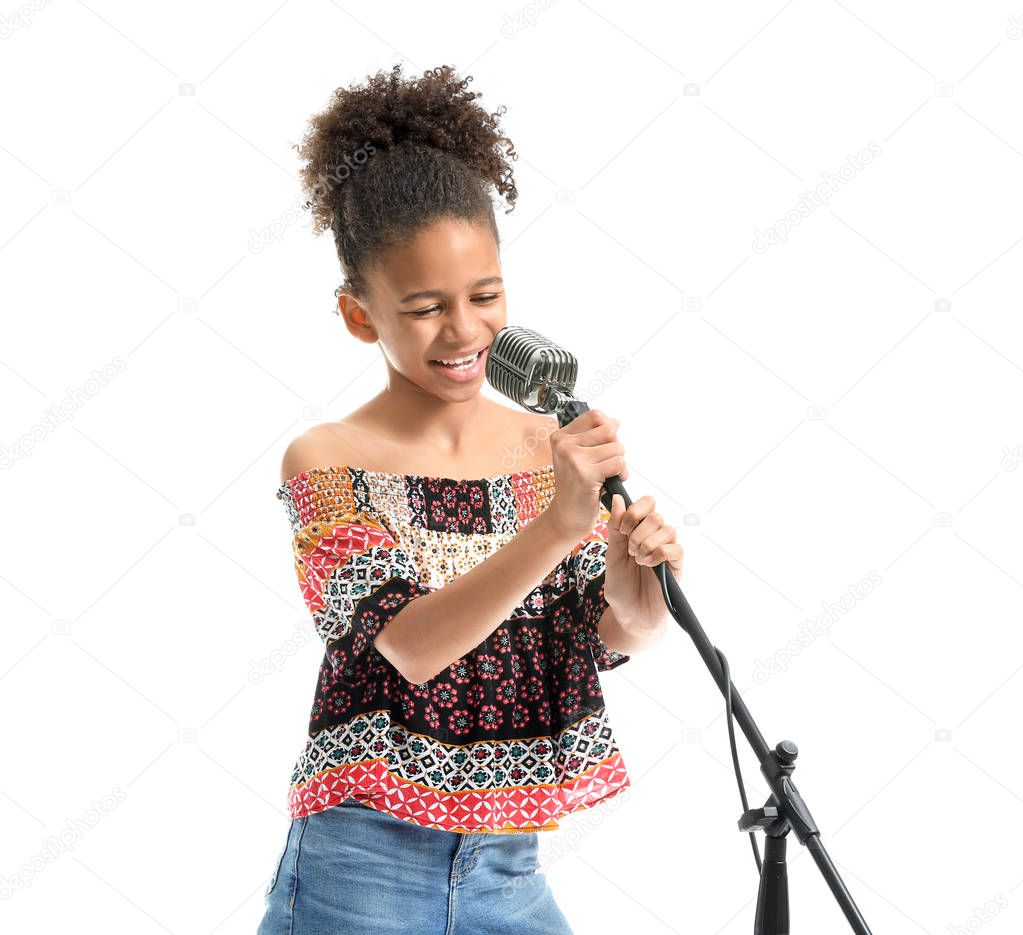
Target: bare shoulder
{"points": [[543, 421], [539, 428], [543, 424], [318, 446]]}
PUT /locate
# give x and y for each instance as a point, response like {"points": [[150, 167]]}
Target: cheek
{"points": [[496, 315], [409, 348]]}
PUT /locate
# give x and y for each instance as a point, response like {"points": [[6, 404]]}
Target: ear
{"points": [[356, 318]]}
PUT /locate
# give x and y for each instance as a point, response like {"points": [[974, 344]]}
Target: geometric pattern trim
{"points": [[514, 786]]}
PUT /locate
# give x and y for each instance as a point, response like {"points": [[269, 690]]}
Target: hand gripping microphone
{"points": [[540, 376]]}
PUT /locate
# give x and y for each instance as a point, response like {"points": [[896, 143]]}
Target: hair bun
{"points": [[388, 111], [387, 156]]}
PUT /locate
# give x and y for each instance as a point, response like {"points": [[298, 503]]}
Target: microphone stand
{"points": [[785, 810]]}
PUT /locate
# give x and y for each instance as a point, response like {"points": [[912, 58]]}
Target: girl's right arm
{"points": [[435, 629]]}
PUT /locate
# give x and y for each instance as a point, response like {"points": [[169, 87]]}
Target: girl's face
{"points": [[438, 297]]}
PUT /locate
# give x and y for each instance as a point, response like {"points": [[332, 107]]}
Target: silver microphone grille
{"points": [[531, 369]]}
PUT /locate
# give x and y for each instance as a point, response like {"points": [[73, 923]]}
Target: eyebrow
{"points": [[436, 293]]}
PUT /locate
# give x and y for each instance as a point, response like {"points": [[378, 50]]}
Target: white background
{"points": [[841, 405]]}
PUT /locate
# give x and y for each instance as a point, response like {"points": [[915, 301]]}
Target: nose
{"points": [[463, 324]]}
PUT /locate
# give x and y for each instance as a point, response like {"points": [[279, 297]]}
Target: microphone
{"points": [[532, 370], [538, 374]]}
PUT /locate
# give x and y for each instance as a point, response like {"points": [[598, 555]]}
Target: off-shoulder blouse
{"points": [[508, 738]]}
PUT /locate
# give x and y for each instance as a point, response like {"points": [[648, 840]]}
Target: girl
{"points": [[464, 621]]}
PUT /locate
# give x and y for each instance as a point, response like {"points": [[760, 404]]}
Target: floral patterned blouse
{"points": [[509, 737]]}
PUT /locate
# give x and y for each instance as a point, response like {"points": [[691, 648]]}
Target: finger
{"points": [[674, 558], [617, 511], [649, 543], [601, 434], [589, 421], [637, 513], [610, 464], [670, 552]]}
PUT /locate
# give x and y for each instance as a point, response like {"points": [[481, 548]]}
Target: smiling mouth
{"points": [[465, 364]]}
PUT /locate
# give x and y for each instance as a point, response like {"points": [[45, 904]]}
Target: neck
{"points": [[413, 415]]}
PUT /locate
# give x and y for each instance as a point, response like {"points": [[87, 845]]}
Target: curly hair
{"points": [[387, 158]]}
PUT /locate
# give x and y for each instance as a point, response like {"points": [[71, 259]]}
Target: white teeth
{"points": [[461, 360]]}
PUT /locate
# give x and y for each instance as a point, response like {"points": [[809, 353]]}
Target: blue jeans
{"points": [[355, 870]]}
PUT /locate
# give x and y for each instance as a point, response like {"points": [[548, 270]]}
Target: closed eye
{"points": [[479, 299]]}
